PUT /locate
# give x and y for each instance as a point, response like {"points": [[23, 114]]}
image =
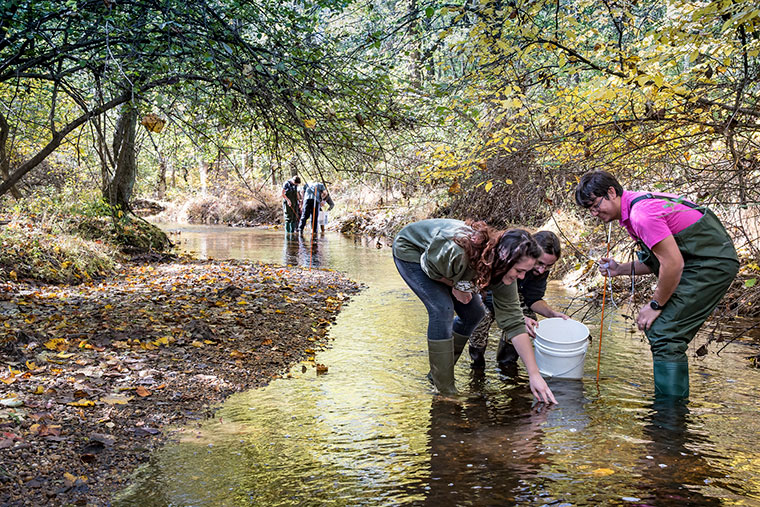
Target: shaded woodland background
{"points": [[489, 109]]}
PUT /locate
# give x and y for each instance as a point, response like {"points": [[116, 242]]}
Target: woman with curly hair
{"points": [[447, 263]]}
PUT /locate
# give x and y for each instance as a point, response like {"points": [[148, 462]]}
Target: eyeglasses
{"points": [[542, 267], [594, 208]]}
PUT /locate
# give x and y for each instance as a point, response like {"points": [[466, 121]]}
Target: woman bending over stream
{"points": [[447, 263]]}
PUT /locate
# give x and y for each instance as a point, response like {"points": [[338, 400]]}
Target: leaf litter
{"points": [[95, 376]]}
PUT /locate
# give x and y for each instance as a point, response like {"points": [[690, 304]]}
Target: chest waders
{"points": [[710, 265], [290, 209]]}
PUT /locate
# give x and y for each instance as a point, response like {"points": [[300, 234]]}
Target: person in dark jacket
{"points": [[531, 290], [447, 263], [689, 250], [291, 203]]}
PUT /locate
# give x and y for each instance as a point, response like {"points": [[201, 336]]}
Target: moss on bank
{"points": [[72, 249]]}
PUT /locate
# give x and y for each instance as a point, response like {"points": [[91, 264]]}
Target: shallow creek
{"points": [[370, 431]]}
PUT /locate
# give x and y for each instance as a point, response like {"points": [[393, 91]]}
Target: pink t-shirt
{"points": [[652, 220]]}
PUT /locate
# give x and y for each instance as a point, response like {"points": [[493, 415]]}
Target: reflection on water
{"points": [[299, 250], [370, 433]]}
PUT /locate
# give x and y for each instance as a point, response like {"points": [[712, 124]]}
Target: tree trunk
{"points": [[203, 174], [120, 187], [5, 157], [59, 136], [415, 72], [161, 187]]}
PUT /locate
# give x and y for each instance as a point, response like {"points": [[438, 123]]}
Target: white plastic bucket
{"points": [[560, 347]]}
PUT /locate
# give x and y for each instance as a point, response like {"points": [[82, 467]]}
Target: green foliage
{"points": [[659, 91], [138, 236], [31, 250], [273, 78]]}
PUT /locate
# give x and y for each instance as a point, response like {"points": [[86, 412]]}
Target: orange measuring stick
{"points": [[601, 326]]}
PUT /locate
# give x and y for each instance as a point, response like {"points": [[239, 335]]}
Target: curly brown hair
{"points": [[492, 253]]}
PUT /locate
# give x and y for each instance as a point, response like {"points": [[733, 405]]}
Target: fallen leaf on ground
{"points": [[116, 399]]}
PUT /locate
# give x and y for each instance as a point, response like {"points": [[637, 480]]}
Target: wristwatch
{"points": [[655, 305]]}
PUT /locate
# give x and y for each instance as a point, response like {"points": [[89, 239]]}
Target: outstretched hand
{"points": [[541, 390]]}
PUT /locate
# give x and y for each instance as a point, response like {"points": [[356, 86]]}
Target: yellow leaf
{"points": [[39, 390], [30, 365], [13, 275], [603, 471], [56, 344], [310, 124], [116, 399], [508, 181], [82, 403], [197, 344], [489, 186], [153, 123]]}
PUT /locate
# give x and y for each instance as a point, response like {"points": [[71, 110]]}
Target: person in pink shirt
{"points": [[690, 252]]}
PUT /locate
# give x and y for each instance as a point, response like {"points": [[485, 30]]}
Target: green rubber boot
{"points": [[441, 357], [460, 341], [671, 379]]}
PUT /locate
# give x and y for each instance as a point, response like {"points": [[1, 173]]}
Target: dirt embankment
{"points": [[95, 376]]}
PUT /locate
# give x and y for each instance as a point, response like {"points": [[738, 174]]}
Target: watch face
{"points": [[655, 305]]}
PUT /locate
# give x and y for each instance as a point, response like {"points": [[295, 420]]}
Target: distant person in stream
{"points": [[689, 250], [447, 263], [291, 203], [531, 290], [314, 195]]}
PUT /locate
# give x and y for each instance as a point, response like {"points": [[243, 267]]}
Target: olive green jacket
{"points": [[431, 244]]}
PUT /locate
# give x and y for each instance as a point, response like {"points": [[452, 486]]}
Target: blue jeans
{"points": [[441, 304]]}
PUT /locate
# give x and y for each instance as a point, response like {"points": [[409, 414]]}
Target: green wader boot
{"points": [[671, 379], [441, 357], [460, 341]]}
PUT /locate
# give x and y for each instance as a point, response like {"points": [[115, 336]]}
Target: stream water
{"points": [[370, 432]]}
